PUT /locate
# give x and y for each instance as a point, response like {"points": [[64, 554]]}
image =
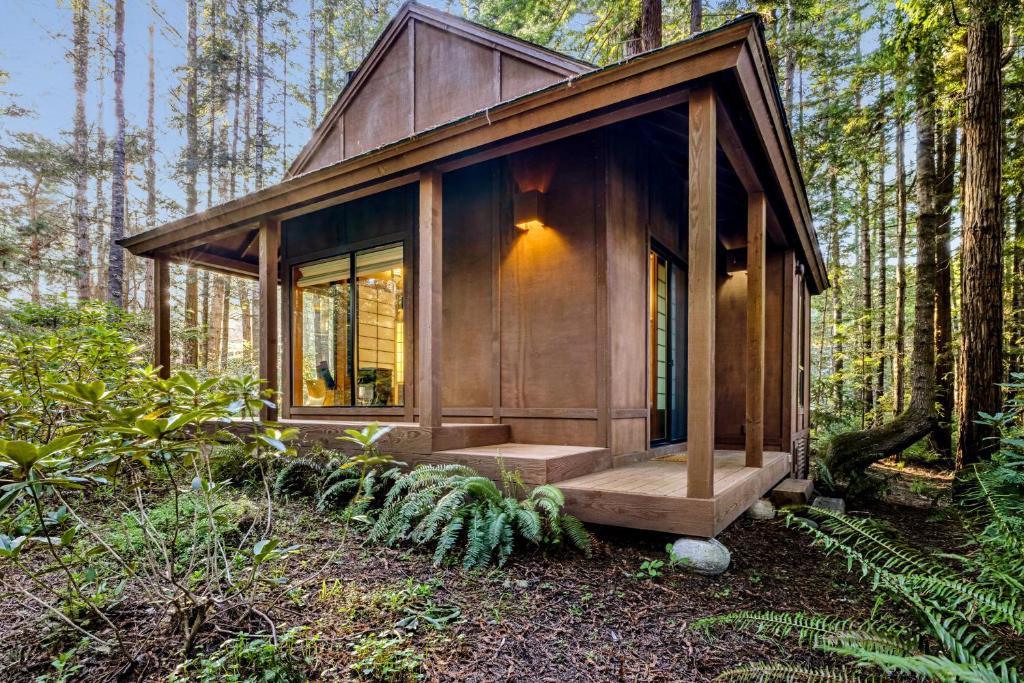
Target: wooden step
{"points": [[535, 463]]}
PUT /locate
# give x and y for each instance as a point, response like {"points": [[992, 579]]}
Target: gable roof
{"points": [[427, 68]]}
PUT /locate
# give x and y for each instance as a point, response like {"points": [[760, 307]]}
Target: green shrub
{"points": [[252, 659], [449, 505]]}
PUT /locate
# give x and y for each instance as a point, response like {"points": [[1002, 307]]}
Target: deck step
{"points": [[536, 463]]}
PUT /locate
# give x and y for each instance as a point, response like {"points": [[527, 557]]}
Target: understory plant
{"points": [[455, 510], [106, 478], [937, 617]]}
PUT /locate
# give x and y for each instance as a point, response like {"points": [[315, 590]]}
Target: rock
{"points": [[792, 491], [831, 504], [762, 509], [701, 555]]}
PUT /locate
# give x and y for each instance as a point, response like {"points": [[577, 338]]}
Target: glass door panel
{"points": [[667, 334]]}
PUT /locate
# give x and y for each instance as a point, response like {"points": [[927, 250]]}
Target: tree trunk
{"points": [[225, 325], [866, 325], [115, 260], [899, 364], [314, 118], [696, 17], [150, 162], [883, 278], [260, 141], [646, 32], [83, 253], [246, 311], [981, 353], [99, 279], [204, 320], [215, 323], [191, 175], [850, 453], [1017, 318], [941, 441], [838, 334]]}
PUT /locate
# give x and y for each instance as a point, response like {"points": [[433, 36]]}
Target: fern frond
{"points": [[577, 534], [789, 673]]}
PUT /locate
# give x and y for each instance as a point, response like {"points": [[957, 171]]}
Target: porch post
{"points": [[162, 315], [756, 216], [703, 243], [428, 300], [270, 240]]}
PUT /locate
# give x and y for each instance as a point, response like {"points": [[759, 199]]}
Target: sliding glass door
{"points": [[667, 352], [349, 329]]}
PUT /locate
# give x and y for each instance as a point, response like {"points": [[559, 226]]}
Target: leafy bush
{"points": [[443, 505], [90, 435], [252, 659], [945, 615]]}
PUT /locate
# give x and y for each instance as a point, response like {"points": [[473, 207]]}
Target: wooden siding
{"points": [[428, 69]]}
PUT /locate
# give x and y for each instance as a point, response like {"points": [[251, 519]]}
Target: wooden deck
{"points": [[652, 495], [644, 495]]}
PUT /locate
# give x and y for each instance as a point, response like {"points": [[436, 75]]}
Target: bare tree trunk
{"points": [[215, 322], [83, 253], [225, 325], [899, 365], [941, 440], [883, 293], [150, 162], [852, 452], [99, 279], [260, 142], [866, 326], [314, 118], [246, 310], [191, 176], [981, 353], [789, 61], [115, 269], [696, 17], [837, 292], [1017, 318], [204, 319], [646, 32]]}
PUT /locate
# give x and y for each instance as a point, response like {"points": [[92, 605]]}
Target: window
{"points": [[349, 330]]}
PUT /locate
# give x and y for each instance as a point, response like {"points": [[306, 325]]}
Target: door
{"points": [[667, 352]]}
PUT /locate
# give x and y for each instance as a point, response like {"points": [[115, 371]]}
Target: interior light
{"points": [[527, 209]]}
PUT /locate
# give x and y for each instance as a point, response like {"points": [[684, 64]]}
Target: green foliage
{"points": [[449, 505], [944, 615], [107, 469], [386, 658], [252, 659]]}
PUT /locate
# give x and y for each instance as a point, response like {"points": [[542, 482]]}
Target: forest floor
{"points": [[555, 616]]}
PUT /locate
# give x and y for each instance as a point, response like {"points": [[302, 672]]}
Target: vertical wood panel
{"points": [[162, 316], [702, 284], [755, 328], [789, 350], [270, 240], [429, 308]]}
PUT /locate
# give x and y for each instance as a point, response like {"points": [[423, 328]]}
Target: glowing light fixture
{"points": [[527, 209]]}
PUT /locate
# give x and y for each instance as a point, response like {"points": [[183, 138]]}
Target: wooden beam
{"points": [[218, 264], [703, 252], [162, 316], [270, 241], [756, 228], [428, 300]]}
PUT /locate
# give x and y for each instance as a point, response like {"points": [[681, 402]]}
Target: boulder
{"points": [[831, 504], [762, 509], [701, 555]]}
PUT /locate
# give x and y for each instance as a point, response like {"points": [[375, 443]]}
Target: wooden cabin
{"points": [[599, 277]]}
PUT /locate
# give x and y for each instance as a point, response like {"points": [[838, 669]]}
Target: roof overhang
{"points": [[733, 57]]}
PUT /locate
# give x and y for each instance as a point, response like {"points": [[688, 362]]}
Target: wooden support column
{"points": [[703, 242], [428, 301], [756, 220], [270, 241], [162, 315]]}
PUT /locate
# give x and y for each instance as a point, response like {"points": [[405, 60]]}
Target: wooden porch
{"points": [[652, 494]]}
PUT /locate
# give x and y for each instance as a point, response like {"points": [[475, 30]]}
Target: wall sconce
{"points": [[527, 209]]}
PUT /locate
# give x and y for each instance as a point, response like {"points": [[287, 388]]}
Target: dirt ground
{"points": [[554, 616]]}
